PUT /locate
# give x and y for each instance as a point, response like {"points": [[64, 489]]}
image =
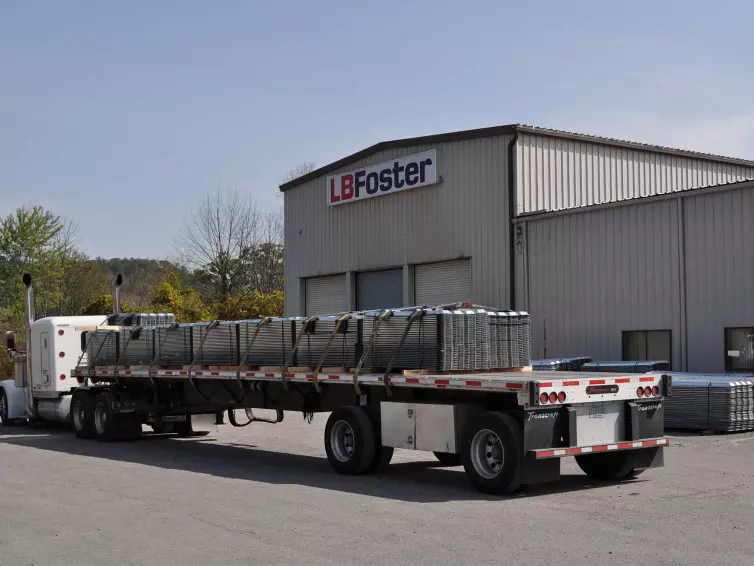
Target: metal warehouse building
{"points": [[619, 250]]}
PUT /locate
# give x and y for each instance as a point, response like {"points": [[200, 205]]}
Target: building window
{"points": [[739, 349], [642, 345]]}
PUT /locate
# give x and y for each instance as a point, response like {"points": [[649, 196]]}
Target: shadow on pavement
{"points": [[424, 482]]}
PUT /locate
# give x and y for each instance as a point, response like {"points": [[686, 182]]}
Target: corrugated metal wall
{"points": [[556, 173], [683, 263], [464, 216]]}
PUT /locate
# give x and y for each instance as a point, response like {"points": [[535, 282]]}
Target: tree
{"points": [[298, 171], [258, 305], [231, 248], [6, 368], [104, 305], [172, 294]]}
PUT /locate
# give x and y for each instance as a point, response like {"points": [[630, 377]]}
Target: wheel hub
{"points": [[342, 441], [78, 415], [100, 418], [487, 454]]}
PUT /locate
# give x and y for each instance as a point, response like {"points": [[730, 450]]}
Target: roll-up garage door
{"points": [[379, 289], [444, 282], [326, 295]]}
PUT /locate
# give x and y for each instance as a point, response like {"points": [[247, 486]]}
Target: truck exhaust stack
{"points": [[28, 299], [117, 282]]}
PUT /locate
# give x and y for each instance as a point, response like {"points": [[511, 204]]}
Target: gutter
{"points": [[511, 218]]}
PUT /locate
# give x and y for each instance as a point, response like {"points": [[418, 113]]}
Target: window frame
{"points": [[646, 332], [726, 348]]}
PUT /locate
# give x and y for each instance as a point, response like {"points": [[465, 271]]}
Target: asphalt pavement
{"points": [[266, 495]]}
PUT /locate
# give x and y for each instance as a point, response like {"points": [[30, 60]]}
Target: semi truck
{"points": [[506, 428]]}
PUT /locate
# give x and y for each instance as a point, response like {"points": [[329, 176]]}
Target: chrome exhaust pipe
{"points": [[29, 311], [117, 282]]}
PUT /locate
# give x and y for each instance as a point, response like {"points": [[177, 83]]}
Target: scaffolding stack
{"points": [[438, 339]]}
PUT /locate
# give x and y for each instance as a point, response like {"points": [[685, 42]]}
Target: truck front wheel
{"points": [[493, 453], [610, 466]]}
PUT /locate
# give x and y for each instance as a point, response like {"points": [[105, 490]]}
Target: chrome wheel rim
{"points": [[100, 418], [79, 415], [487, 454], [342, 441]]}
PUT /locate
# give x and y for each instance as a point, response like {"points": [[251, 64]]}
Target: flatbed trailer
{"points": [[507, 428]]}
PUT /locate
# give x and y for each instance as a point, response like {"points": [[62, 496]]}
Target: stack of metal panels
{"points": [[102, 347], [137, 346], [561, 364], [274, 342], [720, 402], [141, 319], [215, 344], [627, 367], [173, 345], [344, 349], [420, 348]]}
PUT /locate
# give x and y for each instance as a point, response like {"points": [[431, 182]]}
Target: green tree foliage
{"points": [[258, 305], [173, 294], [104, 305], [6, 368]]}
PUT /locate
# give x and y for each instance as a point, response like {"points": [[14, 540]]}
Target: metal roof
{"points": [[505, 130]]}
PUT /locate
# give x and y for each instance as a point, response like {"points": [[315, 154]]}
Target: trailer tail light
{"points": [[647, 391], [640, 391], [655, 391], [543, 398], [562, 397], [553, 397], [62, 354]]}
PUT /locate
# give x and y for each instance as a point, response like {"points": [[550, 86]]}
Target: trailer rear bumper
{"points": [[546, 453]]}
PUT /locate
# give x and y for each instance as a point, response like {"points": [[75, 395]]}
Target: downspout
{"points": [[511, 218]]}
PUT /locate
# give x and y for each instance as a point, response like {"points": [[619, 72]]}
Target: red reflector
{"points": [[645, 379], [640, 391], [62, 354], [442, 382], [546, 384], [647, 391], [623, 380], [562, 396], [62, 376], [543, 398], [61, 332], [514, 385], [655, 391], [596, 382], [553, 397], [412, 380], [570, 383]]}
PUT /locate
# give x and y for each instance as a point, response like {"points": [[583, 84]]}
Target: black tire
{"points": [[382, 454], [4, 420], [82, 414], [609, 466], [184, 429], [350, 440], [106, 424], [448, 458], [487, 470]]}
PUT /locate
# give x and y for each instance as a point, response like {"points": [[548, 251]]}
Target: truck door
{"points": [[44, 362]]}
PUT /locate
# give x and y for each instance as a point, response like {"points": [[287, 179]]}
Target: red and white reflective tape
{"points": [[575, 451]]}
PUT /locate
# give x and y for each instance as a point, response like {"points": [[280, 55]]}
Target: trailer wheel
{"points": [[82, 413], [448, 458], [350, 440], [107, 425], [382, 454], [609, 466], [493, 453]]}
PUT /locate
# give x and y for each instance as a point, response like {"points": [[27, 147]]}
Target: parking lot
{"points": [[266, 495]]}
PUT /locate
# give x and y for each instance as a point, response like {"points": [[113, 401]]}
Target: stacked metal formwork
{"points": [[575, 363], [718, 402], [462, 339], [627, 367]]}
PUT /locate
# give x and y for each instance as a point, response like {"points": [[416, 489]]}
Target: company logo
{"points": [[408, 172], [652, 407], [541, 415]]}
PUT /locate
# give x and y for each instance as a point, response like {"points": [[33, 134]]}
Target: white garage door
{"points": [[379, 289], [326, 295], [442, 283]]}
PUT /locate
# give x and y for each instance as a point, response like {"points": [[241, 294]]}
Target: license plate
{"points": [[597, 412]]}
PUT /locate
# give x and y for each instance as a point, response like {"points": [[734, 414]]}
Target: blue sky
{"points": [[121, 115]]}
